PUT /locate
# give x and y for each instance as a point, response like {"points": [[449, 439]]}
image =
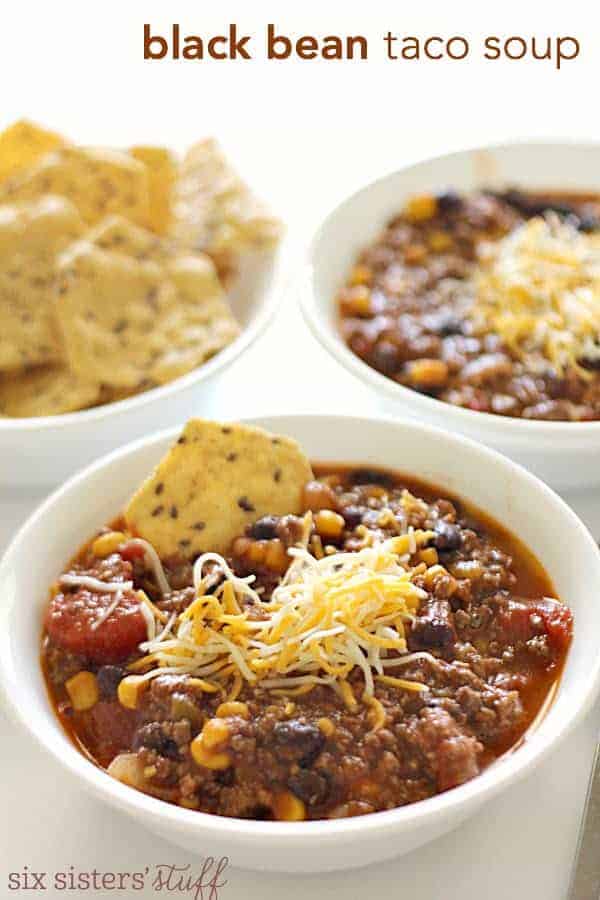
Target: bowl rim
{"points": [[248, 832], [330, 338], [266, 308]]}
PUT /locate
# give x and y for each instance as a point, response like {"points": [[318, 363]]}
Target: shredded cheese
{"points": [[327, 618], [152, 559], [107, 612], [539, 289], [95, 584]]}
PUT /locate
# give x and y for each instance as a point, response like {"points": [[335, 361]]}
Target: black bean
{"points": [[385, 357], [449, 201], [433, 627], [264, 529], [108, 678], [299, 740], [352, 515], [309, 786], [260, 813], [225, 778], [447, 536], [153, 737], [588, 223], [372, 476]]}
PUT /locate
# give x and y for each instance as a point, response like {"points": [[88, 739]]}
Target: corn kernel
{"points": [[83, 690], [432, 573], [429, 556], [428, 373], [209, 759], [129, 690], [415, 254], [361, 275], [357, 301], [329, 524], [256, 552], [468, 568], [421, 207], [326, 726], [214, 733], [233, 708], [288, 808], [439, 241], [276, 557], [107, 543]]}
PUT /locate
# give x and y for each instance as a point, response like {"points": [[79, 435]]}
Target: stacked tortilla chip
{"points": [[113, 266]]}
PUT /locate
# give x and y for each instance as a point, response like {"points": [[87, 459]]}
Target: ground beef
{"points": [[403, 310], [488, 645]]}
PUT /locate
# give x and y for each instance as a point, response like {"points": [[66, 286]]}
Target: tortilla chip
{"points": [[162, 170], [31, 235], [131, 323], [214, 481], [22, 144], [215, 212], [97, 181], [45, 392], [118, 235]]}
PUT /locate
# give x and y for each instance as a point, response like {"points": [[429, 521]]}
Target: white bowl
{"points": [[565, 454], [513, 496], [43, 451]]}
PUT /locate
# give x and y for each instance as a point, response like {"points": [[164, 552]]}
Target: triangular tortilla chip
{"points": [[45, 392], [118, 235], [162, 170], [97, 181], [216, 480], [134, 323], [22, 144], [215, 211], [31, 236]]}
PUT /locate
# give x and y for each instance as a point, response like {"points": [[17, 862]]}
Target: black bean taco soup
{"points": [[258, 637], [488, 301]]}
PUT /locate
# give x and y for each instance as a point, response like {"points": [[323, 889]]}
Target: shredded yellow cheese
{"points": [[327, 617], [539, 289]]}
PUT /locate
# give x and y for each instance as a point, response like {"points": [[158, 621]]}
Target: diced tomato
{"points": [[520, 621], [132, 552], [558, 623], [515, 622], [70, 623]]}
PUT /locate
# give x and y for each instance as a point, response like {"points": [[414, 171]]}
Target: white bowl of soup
{"points": [[452, 288], [497, 664]]}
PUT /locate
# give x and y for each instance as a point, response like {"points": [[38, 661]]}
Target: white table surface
{"points": [[520, 846]]}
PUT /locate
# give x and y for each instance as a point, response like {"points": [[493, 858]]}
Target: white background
{"points": [[304, 133]]}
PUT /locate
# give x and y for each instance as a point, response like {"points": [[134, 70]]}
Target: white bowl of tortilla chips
{"points": [[128, 279]]}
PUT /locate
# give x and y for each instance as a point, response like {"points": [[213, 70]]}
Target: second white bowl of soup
{"points": [[564, 452]]}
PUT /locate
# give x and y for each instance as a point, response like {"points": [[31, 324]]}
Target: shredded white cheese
{"points": [[95, 584], [107, 612], [152, 559]]}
